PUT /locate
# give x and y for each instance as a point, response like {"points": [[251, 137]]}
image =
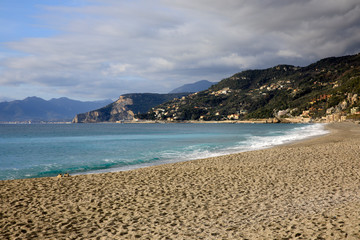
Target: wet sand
{"points": [[304, 190]]}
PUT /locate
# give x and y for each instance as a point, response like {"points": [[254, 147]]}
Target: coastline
{"points": [[120, 148], [307, 189], [284, 141]]}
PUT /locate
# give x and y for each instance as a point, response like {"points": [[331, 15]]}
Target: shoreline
{"points": [[303, 131], [305, 190], [294, 120], [162, 162]]}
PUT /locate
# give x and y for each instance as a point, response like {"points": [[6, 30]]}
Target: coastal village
{"points": [[333, 114], [326, 91], [346, 110]]}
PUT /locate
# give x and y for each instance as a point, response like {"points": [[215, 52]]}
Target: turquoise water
{"points": [[39, 150]]}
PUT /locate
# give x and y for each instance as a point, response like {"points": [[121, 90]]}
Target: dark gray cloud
{"points": [[113, 47]]}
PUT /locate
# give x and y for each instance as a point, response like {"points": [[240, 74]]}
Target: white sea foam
{"points": [[252, 142], [296, 134]]}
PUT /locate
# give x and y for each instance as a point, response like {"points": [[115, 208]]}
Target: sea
{"points": [[45, 150]]}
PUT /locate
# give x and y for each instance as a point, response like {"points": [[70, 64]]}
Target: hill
{"points": [[125, 107], [325, 89], [194, 87], [38, 109]]}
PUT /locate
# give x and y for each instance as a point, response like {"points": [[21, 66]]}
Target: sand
{"points": [[305, 190]]}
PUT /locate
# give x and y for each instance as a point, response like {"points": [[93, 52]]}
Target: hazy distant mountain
{"points": [[194, 87], [38, 109], [6, 99]]}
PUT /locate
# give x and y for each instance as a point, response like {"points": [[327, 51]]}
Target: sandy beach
{"points": [[304, 190]]}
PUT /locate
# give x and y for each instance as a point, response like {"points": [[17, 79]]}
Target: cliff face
{"points": [[116, 111], [125, 107]]}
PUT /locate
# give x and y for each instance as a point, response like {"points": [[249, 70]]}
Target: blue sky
{"points": [[27, 18], [97, 49]]}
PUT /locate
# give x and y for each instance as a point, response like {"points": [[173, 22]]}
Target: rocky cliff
{"points": [[125, 107], [116, 111]]}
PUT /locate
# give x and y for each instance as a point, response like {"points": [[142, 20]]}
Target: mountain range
{"points": [[329, 88], [64, 109], [38, 109], [128, 105]]}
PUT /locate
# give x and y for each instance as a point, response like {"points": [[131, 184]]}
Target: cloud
{"points": [[159, 64], [116, 69], [106, 48]]}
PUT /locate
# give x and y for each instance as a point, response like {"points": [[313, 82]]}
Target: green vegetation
{"points": [[330, 85], [142, 102]]}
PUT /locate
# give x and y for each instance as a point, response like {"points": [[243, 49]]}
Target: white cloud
{"points": [[115, 69], [141, 46], [159, 64], [288, 53]]}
